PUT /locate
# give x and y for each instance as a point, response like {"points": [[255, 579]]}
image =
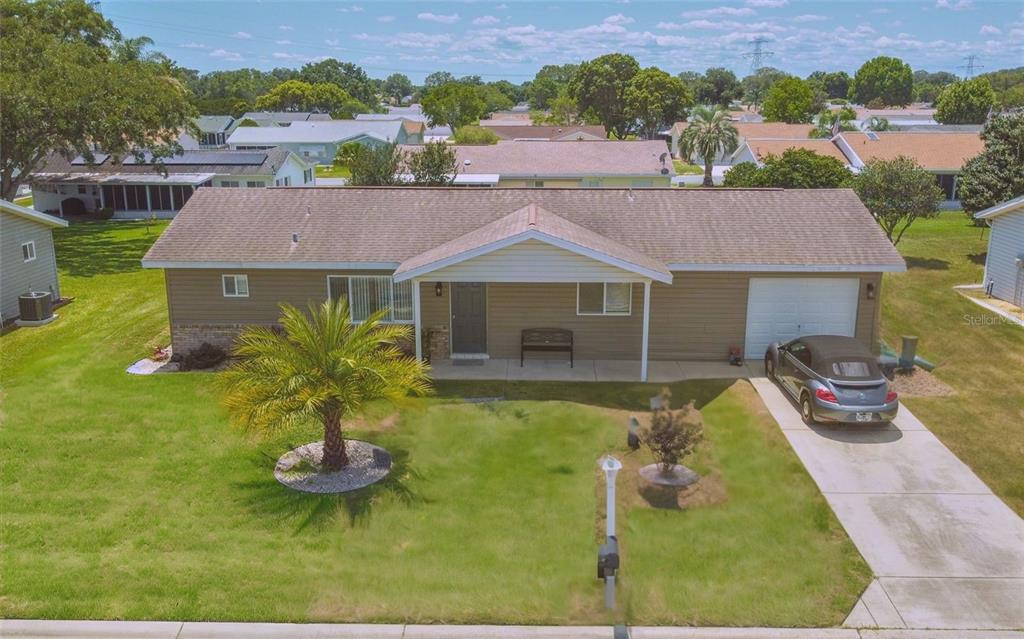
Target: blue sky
{"points": [[511, 40]]}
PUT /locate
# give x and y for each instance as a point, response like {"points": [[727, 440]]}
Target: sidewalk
{"points": [[37, 629]]}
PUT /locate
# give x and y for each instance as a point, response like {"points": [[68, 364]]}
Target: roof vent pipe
{"points": [[295, 238], [308, 212]]}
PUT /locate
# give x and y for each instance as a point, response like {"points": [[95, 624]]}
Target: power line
{"points": [[758, 55], [970, 66]]}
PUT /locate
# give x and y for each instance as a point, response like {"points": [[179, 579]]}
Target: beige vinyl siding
{"points": [[18, 276], [434, 310], [1005, 245], [531, 260], [196, 296]]}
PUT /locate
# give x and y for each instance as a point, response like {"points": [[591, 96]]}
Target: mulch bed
{"points": [[920, 383]]}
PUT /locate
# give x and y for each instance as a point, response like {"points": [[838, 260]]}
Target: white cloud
{"points": [[959, 5], [486, 20], [282, 42], [809, 17], [881, 10], [224, 54], [353, 9], [286, 27], [719, 11], [670, 26], [242, 35], [988, 29], [385, 18], [441, 18], [501, 7], [618, 18], [769, 4], [332, 42], [415, 40], [296, 57], [195, 45]]}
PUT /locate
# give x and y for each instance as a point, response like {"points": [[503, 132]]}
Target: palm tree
{"points": [[319, 367], [708, 133]]}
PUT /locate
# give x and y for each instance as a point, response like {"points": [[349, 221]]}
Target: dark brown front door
{"points": [[469, 317]]}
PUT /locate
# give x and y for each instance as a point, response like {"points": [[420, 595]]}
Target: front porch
{"points": [[589, 370]]}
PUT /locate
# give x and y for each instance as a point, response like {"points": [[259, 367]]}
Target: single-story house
{"points": [[283, 118], [943, 154], [553, 133], [1004, 263], [756, 150], [27, 259], [573, 164], [318, 142], [214, 130], [415, 113], [744, 130], [139, 189], [635, 274]]}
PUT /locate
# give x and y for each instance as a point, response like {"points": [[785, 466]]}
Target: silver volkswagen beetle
{"points": [[833, 379]]}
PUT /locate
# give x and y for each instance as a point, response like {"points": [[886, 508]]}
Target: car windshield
{"points": [[850, 368]]}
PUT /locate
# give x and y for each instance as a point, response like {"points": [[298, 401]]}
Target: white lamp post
{"points": [[611, 468], [608, 555]]}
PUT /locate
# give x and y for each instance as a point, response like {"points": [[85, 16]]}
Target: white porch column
{"points": [[417, 322], [647, 330]]}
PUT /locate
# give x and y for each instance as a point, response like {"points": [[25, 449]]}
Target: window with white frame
{"points": [[28, 251], [254, 184], [230, 183], [368, 294], [604, 298], [235, 285]]}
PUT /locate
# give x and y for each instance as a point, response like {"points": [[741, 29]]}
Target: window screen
{"points": [[603, 298], [591, 299], [369, 294]]}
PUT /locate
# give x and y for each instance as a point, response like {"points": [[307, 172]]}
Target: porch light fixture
{"points": [[438, 289], [869, 290]]}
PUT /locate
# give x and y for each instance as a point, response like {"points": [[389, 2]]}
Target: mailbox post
{"points": [[608, 553]]}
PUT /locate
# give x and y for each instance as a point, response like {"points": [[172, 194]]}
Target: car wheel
{"points": [[769, 368], [806, 409]]}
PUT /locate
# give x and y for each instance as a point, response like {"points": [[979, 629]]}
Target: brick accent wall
{"points": [[185, 337]]}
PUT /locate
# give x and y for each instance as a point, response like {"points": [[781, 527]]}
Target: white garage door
{"points": [[779, 309]]}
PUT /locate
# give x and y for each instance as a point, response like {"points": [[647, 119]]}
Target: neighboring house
{"points": [[1004, 263], [636, 274], [756, 150], [943, 154], [744, 130], [318, 142], [552, 133], [586, 164], [133, 189], [27, 259], [283, 118], [415, 113], [214, 130]]}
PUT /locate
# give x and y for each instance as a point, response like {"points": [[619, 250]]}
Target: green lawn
{"points": [[130, 497], [24, 201], [335, 171], [682, 168], [979, 355]]}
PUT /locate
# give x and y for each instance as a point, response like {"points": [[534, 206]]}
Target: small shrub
{"points": [[471, 134], [204, 357], [105, 213], [672, 435]]}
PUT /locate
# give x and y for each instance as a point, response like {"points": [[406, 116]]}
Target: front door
{"points": [[469, 317]]}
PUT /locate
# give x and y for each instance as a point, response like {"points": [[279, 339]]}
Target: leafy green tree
{"points": [[897, 192], [320, 367], [438, 78], [454, 105], [396, 86], [655, 100], [967, 102], [542, 91], [472, 134], [599, 85], [514, 92], [884, 80], [878, 123], [718, 86], [997, 173], [323, 97], [790, 100], [708, 133], [794, 169], [829, 122], [494, 99], [238, 84], [349, 77], [64, 89], [836, 84], [434, 164], [377, 165], [756, 86], [1008, 85], [347, 153], [248, 122], [564, 110]]}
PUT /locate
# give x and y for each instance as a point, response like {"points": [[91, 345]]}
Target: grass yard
{"points": [[980, 355], [682, 168], [130, 497], [335, 171]]}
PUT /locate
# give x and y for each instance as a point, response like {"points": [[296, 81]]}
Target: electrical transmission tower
{"points": [[758, 55], [970, 66]]}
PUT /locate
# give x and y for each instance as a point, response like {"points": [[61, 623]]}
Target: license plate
{"points": [[864, 417]]}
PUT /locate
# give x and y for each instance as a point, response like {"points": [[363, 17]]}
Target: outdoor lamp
{"points": [[438, 290], [870, 290]]}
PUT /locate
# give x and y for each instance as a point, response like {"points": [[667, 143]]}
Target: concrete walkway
{"points": [[946, 552], [37, 629], [584, 370]]}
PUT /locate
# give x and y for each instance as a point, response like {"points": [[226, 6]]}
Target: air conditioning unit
{"points": [[35, 306]]}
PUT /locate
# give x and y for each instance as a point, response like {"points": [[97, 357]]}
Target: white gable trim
{"points": [[789, 268], [31, 214], [1001, 208], [311, 266], [533, 234]]}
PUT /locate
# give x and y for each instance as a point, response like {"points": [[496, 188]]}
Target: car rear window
{"points": [[850, 368]]}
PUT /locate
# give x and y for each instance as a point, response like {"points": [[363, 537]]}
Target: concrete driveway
{"points": [[945, 551]]}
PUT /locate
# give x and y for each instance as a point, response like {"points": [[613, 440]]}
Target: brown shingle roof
{"points": [[511, 132], [779, 130], [763, 148], [220, 161], [576, 158], [946, 151], [715, 228], [531, 219]]}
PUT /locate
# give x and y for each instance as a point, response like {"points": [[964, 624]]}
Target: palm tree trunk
{"points": [[335, 457], [707, 173]]}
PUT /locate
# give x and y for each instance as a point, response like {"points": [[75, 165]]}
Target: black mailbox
{"points": [[633, 433], [608, 558]]}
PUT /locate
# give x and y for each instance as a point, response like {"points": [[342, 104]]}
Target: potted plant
{"points": [[670, 437]]}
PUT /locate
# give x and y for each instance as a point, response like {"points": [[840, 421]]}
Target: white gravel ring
{"points": [[362, 469]]}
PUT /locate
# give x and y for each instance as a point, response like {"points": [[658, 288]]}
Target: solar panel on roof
{"points": [[98, 158], [208, 157]]}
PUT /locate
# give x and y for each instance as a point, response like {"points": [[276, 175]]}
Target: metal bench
{"points": [[546, 339]]}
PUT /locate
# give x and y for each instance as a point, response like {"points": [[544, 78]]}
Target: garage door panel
{"points": [[781, 309]]}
